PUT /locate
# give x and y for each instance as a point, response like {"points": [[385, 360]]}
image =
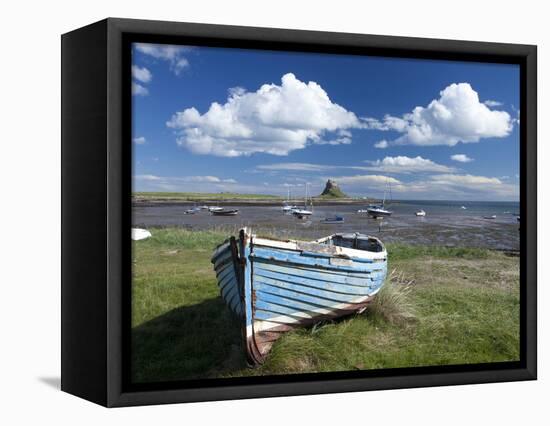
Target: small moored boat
{"points": [[192, 210], [215, 209], [420, 213], [224, 212], [378, 211], [289, 208], [303, 213], [335, 220], [490, 217], [274, 286]]}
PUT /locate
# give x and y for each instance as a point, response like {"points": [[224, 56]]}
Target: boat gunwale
{"points": [[323, 249]]}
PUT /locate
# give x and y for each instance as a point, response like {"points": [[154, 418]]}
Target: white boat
{"points": [[463, 207], [494, 216], [287, 204], [302, 213], [420, 213], [215, 209], [379, 210], [362, 211], [140, 234]]}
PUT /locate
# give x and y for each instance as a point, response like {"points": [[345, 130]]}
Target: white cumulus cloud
{"points": [[465, 180], [303, 167], [275, 119], [457, 116], [192, 179], [141, 74], [461, 158], [403, 164], [437, 186], [381, 144], [139, 90], [375, 180], [172, 54]]}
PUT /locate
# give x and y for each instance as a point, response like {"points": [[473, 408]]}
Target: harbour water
{"points": [[446, 222]]}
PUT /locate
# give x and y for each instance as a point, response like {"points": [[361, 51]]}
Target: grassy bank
{"points": [[228, 197], [460, 306], [200, 196]]}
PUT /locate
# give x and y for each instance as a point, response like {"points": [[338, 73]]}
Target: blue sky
{"points": [[249, 121]]}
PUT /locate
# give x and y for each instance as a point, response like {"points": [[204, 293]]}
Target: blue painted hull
{"points": [[275, 286]]}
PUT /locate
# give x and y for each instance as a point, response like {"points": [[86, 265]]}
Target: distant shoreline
{"points": [[149, 202], [182, 198]]}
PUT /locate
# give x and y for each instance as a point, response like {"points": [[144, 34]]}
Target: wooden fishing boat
{"points": [[274, 286], [224, 212]]}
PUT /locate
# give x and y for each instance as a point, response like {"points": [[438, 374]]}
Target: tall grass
{"points": [[393, 303]]}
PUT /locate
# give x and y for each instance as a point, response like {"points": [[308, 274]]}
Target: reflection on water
{"points": [[446, 223]]}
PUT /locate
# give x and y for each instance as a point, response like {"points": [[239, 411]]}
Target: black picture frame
{"points": [[96, 211]]}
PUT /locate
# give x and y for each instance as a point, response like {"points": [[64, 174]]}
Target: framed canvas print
{"points": [[253, 212]]}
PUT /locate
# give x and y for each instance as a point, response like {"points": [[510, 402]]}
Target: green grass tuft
{"points": [[393, 302]]}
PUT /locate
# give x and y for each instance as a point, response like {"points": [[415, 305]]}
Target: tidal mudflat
{"points": [[446, 223]]}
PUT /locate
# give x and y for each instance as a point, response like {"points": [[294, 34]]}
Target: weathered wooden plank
{"points": [[285, 279], [317, 262], [291, 303], [321, 275], [297, 292]]}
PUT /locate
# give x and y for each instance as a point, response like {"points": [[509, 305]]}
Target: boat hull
{"points": [[276, 286], [224, 212], [378, 213]]}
